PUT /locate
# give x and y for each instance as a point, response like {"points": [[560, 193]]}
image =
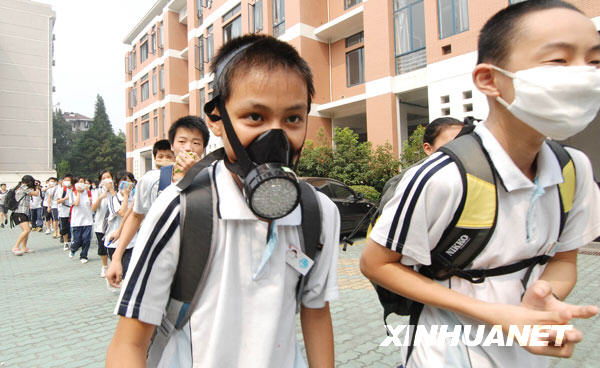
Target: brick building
{"points": [[381, 67]]}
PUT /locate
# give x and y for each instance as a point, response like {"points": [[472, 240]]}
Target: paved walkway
{"points": [[58, 312]]}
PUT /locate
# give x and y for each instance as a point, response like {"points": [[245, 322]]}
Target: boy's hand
{"points": [[184, 161], [114, 274], [540, 307], [114, 236]]}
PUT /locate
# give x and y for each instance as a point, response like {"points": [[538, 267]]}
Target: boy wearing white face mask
{"points": [[537, 67], [64, 201]]}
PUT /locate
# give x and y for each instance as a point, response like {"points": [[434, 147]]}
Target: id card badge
{"points": [[296, 258]]}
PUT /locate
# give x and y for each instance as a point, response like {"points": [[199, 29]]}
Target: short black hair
{"points": [[102, 173], [124, 175], [163, 145], [501, 30], [260, 51], [2, 184], [190, 122], [28, 180], [68, 176], [433, 129]]}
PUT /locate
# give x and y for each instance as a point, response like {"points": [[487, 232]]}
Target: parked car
{"points": [[352, 206]]}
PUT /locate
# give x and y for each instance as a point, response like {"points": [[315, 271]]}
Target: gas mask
{"points": [[270, 186]]}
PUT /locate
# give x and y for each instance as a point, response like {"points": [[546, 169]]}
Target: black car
{"points": [[352, 206]]}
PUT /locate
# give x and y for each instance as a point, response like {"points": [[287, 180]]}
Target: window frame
{"points": [[144, 50], [411, 23], [145, 128], [210, 43], [154, 82], [277, 24], [454, 30], [256, 9], [230, 26], [145, 87], [356, 2]]}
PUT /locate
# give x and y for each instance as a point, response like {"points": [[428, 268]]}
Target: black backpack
{"points": [[197, 206], [10, 201], [473, 223]]}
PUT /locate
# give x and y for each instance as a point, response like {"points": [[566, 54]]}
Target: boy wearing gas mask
{"points": [[538, 69], [245, 315], [188, 137]]}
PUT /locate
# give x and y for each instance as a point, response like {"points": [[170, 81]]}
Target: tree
{"points": [[412, 148], [64, 138], [98, 148], [316, 160]]}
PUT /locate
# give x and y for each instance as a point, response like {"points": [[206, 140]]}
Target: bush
{"points": [[412, 148], [369, 192]]}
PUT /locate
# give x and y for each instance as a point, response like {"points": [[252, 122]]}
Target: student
{"points": [[23, 193], [537, 67], [163, 154], [100, 199], [3, 211], [187, 135], [81, 221], [64, 201], [439, 132], [54, 185], [46, 212], [118, 205], [36, 209], [246, 316]]}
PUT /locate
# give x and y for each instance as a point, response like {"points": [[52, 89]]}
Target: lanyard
{"points": [[269, 249]]}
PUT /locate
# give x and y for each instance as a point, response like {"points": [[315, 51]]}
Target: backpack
{"points": [[10, 201], [166, 173], [473, 223], [198, 205]]}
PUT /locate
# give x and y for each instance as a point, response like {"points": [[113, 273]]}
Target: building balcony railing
{"points": [[411, 61]]}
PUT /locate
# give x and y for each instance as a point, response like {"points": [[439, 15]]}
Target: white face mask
{"points": [[557, 101], [67, 183]]}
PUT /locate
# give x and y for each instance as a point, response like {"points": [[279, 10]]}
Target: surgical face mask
{"points": [[80, 187], [557, 101], [67, 183], [87, 186]]}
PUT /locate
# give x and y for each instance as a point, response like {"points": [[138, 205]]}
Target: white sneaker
{"points": [[71, 254], [47, 231], [83, 260], [66, 246], [103, 271]]}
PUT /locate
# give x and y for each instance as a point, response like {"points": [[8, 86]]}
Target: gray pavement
{"points": [[58, 312]]}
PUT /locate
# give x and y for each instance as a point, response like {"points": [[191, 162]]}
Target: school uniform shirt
{"points": [[146, 192], [114, 219], [238, 321], [36, 202], [100, 210], [45, 199], [53, 191], [82, 213], [64, 208], [423, 206]]}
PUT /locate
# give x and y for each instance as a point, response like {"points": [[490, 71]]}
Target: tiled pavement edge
{"points": [[58, 312]]}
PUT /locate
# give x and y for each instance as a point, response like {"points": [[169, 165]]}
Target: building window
{"points": [[160, 36], [145, 130], [278, 17], [355, 67], [144, 49], [453, 17], [145, 90], [134, 59], [230, 14], [156, 126], [161, 79], [162, 122], [515, 1], [134, 94], [202, 102], [445, 99], [467, 95], [257, 16], [199, 10], [153, 40], [200, 56], [351, 3], [232, 30], [210, 43], [154, 82], [135, 128], [409, 26], [355, 39]]}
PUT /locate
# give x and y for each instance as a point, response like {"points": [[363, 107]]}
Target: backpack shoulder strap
{"points": [[566, 189], [166, 173], [310, 236], [197, 227], [475, 219]]}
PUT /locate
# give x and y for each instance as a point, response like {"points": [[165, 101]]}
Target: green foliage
{"points": [[369, 192], [96, 149], [64, 138], [63, 168], [412, 148], [350, 161]]}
